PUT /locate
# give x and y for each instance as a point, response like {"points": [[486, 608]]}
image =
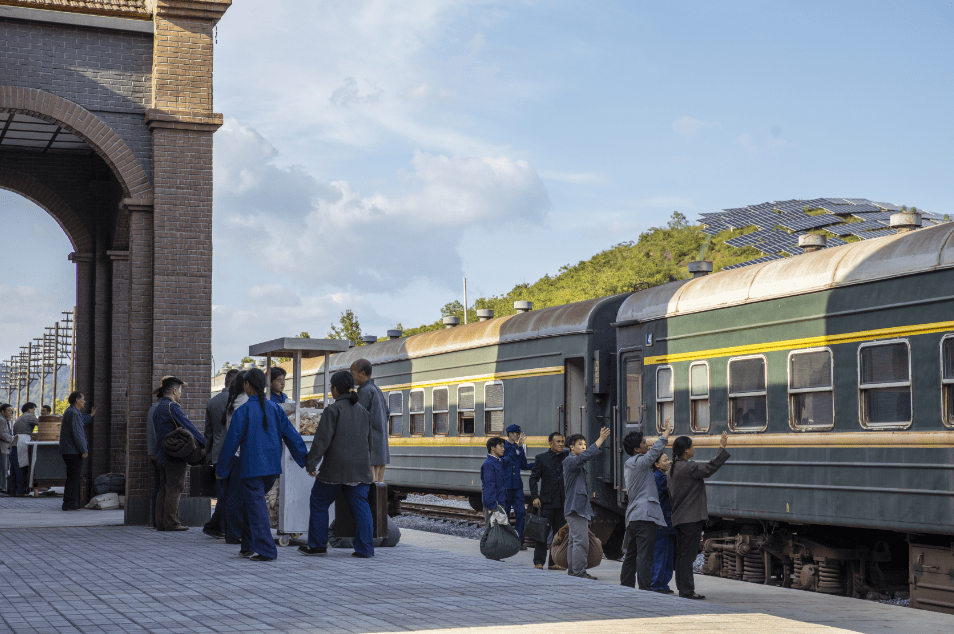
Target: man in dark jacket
{"points": [[214, 437], [514, 481], [548, 473], [74, 448], [372, 399], [172, 471], [493, 475]]}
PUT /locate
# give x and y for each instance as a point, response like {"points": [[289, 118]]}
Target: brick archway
{"points": [[100, 137], [41, 195]]}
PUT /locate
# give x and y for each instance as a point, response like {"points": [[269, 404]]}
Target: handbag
{"points": [[179, 443], [536, 527], [500, 540]]}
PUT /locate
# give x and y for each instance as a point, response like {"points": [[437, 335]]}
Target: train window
{"points": [[811, 398], [699, 397], [439, 411], [416, 412], [884, 383], [494, 408], [395, 413], [748, 400], [664, 396], [633, 388], [465, 410], [947, 378]]}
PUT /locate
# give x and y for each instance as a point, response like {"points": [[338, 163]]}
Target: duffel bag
{"points": [[500, 539], [109, 483], [561, 543]]}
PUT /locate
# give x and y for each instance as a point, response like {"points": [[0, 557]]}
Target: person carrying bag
{"points": [[174, 451]]}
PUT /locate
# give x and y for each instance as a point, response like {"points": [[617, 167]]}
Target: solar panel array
{"points": [[780, 222]]}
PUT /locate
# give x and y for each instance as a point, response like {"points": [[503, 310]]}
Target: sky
{"points": [[376, 152]]}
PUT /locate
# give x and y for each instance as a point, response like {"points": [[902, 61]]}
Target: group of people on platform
{"points": [[665, 514], [14, 452], [243, 438]]}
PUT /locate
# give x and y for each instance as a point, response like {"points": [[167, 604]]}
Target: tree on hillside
{"points": [[247, 360], [348, 328]]}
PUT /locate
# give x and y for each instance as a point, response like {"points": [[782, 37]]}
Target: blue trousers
{"points": [[663, 559], [516, 502], [322, 496], [217, 521], [259, 536], [17, 483], [233, 522]]}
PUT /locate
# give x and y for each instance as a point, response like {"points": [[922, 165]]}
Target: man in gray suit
{"points": [[643, 512], [577, 507], [372, 399]]}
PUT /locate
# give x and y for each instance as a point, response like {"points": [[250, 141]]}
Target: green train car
{"points": [[448, 391], [833, 373]]}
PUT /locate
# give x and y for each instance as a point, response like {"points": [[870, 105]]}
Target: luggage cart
{"points": [[295, 484]]}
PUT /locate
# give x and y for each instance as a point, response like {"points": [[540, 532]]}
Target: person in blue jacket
{"points": [[493, 474], [277, 379], [73, 447], [665, 537], [172, 471], [515, 499], [259, 427]]}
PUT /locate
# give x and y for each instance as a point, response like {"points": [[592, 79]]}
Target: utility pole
{"points": [[29, 369], [41, 354], [465, 301]]}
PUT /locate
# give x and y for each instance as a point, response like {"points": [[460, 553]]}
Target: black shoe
{"points": [[360, 556], [246, 553], [260, 558], [691, 596], [212, 533], [233, 541], [178, 528], [317, 550]]}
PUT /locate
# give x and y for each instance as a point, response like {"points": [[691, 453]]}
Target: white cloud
{"points": [[371, 242], [574, 178], [690, 128]]}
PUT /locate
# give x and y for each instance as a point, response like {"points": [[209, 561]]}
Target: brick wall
{"points": [[107, 72]]}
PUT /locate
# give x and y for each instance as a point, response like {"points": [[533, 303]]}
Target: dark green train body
{"points": [[833, 373]]}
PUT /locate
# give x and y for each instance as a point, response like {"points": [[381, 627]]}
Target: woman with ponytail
{"points": [[343, 446], [259, 427], [687, 492], [234, 519]]}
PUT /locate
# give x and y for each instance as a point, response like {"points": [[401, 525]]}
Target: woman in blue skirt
{"points": [[259, 427]]}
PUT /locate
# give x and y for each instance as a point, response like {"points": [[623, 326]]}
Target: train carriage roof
{"points": [[856, 263], [556, 321]]}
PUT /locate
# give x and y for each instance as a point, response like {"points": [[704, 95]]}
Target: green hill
{"points": [[658, 256]]}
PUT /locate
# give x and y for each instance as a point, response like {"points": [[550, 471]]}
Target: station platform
{"points": [[133, 579]]}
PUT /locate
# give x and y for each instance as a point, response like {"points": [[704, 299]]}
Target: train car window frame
{"points": [[472, 411], [411, 413], [489, 410], [947, 384], [435, 412], [399, 415], [810, 390], [694, 399], [731, 396], [661, 403], [865, 387]]}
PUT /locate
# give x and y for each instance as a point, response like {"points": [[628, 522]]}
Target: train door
{"points": [[574, 396], [629, 410]]}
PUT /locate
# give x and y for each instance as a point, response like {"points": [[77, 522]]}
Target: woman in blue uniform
{"points": [[259, 427], [665, 537], [277, 378]]}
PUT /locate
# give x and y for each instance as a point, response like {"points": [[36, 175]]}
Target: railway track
{"points": [[443, 512]]}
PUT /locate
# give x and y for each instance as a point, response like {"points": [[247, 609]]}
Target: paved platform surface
{"points": [[855, 615], [47, 511], [133, 579]]}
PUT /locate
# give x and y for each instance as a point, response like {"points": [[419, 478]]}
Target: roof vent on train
{"points": [[522, 306], [485, 314], [395, 334], [905, 221], [369, 339], [450, 322], [811, 242], [700, 268], [350, 344]]}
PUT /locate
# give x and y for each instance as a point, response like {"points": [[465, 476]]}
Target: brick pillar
{"points": [[99, 431], [85, 333], [182, 123], [119, 405], [139, 472]]}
